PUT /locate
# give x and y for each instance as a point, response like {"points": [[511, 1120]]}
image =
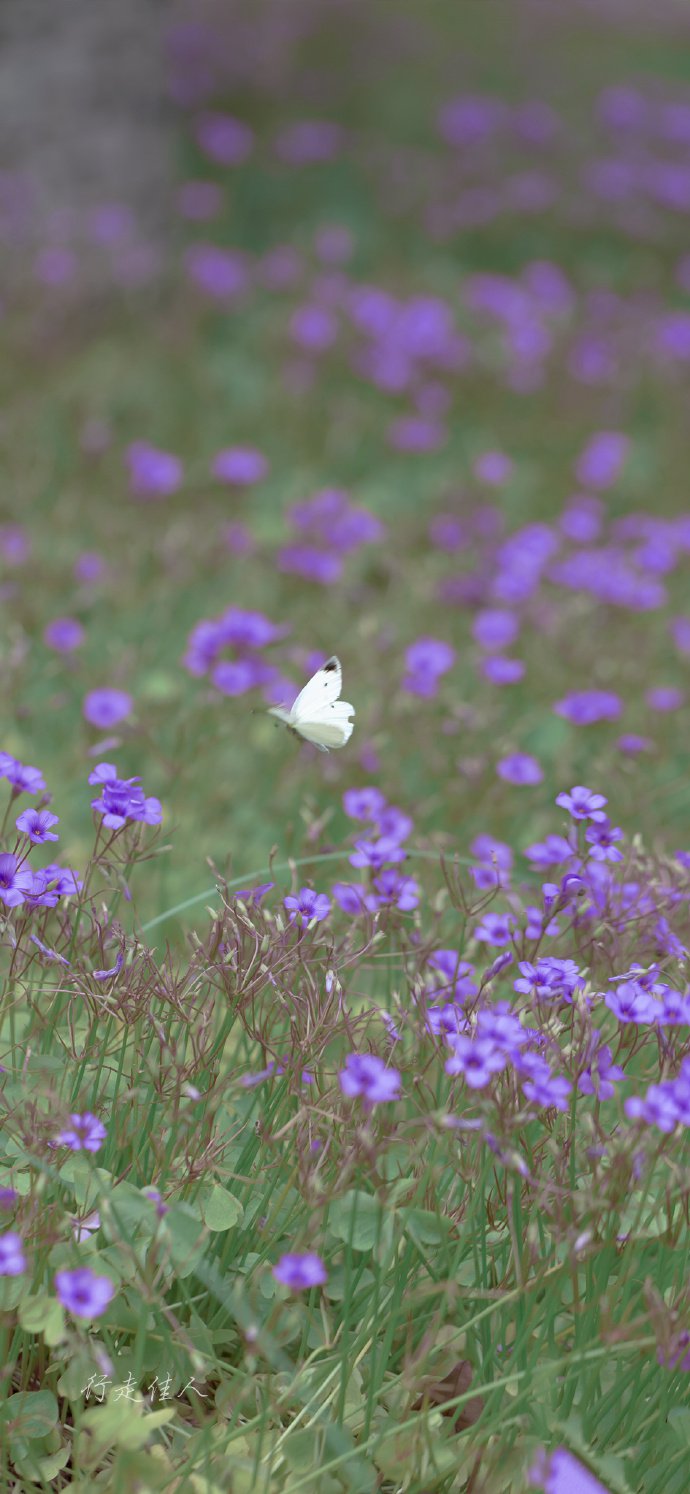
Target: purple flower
{"points": [[519, 768], [122, 799], [630, 1002], [221, 274], [226, 140], [237, 676], [15, 881], [548, 1090], [601, 462], [377, 853], [393, 824], [152, 473], [64, 634], [307, 905], [549, 979], [582, 804], [89, 566], [8, 1198], [83, 1292], [665, 698], [24, 779], [553, 851], [85, 1133], [114, 969], [429, 656], [300, 1271], [363, 803], [199, 201], [415, 433], [495, 628], [477, 1059], [353, 899], [37, 823], [314, 327], [106, 707], [395, 891], [493, 467], [366, 1075], [240, 466], [495, 928], [12, 1258], [631, 743], [254, 895], [584, 707], [310, 563], [596, 1078], [496, 861], [561, 1473], [501, 671], [602, 837]]}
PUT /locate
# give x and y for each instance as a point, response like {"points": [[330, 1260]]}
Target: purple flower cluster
{"points": [[122, 799], [380, 854], [243, 632], [327, 528]]}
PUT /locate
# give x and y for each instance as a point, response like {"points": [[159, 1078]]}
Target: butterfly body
{"points": [[318, 715]]}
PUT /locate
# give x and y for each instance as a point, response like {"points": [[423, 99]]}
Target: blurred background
{"points": [[416, 255]]}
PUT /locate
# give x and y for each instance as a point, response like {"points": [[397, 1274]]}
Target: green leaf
{"points": [[220, 1210], [45, 1315], [426, 1227], [186, 1238], [679, 1420], [29, 1413], [357, 1219]]}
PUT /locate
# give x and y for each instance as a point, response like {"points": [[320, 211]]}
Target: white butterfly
{"points": [[318, 714]]}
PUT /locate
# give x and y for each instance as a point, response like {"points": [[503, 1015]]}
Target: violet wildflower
{"points": [[596, 1078], [459, 974], [495, 628], [84, 1133], [393, 890], [8, 1198], [496, 928], [631, 743], [106, 707], [12, 1258], [561, 1473], [493, 467], [37, 824], [363, 803], [554, 850], [307, 905], [496, 860], [377, 853], [602, 460], [152, 473], [15, 881], [64, 634], [366, 1075], [240, 466], [548, 1090], [501, 671], [582, 804], [603, 837], [549, 979], [310, 563], [585, 707], [114, 969], [220, 274], [665, 698], [520, 768], [224, 139], [353, 899], [393, 824], [122, 799], [630, 1002], [83, 1292], [300, 1271], [23, 779], [477, 1059]]}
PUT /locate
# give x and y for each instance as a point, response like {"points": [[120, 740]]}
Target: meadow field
{"points": [[346, 1094]]}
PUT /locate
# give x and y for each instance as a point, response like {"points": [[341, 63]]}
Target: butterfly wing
{"points": [[281, 714], [329, 727], [321, 690]]}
